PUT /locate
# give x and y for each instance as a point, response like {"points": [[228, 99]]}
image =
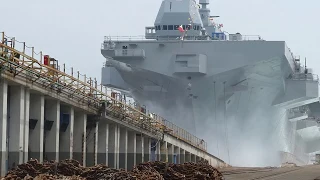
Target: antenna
{"points": [[305, 66]]}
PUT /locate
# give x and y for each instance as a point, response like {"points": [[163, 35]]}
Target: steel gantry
{"points": [[46, 72]]}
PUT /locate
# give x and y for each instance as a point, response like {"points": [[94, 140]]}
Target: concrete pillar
{"points": [[177, 154], [118, 147], [26, 124], [16, 125], [158, 150], [182, 156], [132, 149], [198, 159], [79, 137], [103, 140], [188, 156], [193, 158], [52, 116], [3, 126], [153, 149], [170, 153], [113, 147], [164, 151], [66, 132], [123, 148], [37, 127], [140, 148], [91, 145], [147, 149]]}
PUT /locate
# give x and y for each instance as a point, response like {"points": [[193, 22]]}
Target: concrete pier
{"points": [[140, 149], [123, 148], [113, 149], [132, 149], [51, 129], [147, 149], [36, 132], [92, 144], [103, 142], [16, 122], [79, 137], [3, 124], [66, 132], [36, 123]]}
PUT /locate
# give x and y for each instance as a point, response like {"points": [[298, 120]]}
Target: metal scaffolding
{"points": [[47, 74]]}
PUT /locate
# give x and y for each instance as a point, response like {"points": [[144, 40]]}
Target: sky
{"points": [[72, 31]]}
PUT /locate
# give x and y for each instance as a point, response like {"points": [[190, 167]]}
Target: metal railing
{"points": [[177, 38], [184, 135], [83, 91]]}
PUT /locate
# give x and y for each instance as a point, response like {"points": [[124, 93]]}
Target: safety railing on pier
{"points": [[183, 134], [47, 72]]}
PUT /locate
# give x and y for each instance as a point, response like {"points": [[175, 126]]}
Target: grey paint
{"points": [[211, 81]]}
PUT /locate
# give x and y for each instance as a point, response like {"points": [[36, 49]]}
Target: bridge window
{"points": [[170, 27], [188, 27], [176, 27], [194, 27], [158, 28], [198, 27], [165, 27]]}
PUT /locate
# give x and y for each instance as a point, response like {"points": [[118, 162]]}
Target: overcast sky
{"points": [[72, 30]]}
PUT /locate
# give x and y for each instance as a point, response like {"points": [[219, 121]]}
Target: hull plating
{"points": [[232, 111]]}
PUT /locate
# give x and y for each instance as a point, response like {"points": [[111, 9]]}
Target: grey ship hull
{"points": [[248, 98], [236, 91]]}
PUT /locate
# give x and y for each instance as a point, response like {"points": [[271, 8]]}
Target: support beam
{"points": [[198, 159], [113, 148], [52, 117], [140, 149], [79, 140], [182, 156], [123, 148], [36, 132], [153, 149], [66, 132], [132, 149], [193, 158], [177, 154], [158, 150], [91, 145], [147, 149], [103, 140], [26, 125], [188, 156], [164, 151], [170, 153], [3, 125], [16, 125]]}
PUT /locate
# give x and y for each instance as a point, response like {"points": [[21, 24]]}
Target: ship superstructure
{"points": [[240, 93]]}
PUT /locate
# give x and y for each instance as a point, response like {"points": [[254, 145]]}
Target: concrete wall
{"points": [[34, 126]]}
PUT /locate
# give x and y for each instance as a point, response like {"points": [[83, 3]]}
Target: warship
{"points": [[248, 97]]}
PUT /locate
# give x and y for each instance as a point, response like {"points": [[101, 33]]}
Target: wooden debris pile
{"points": [[72, 170]]}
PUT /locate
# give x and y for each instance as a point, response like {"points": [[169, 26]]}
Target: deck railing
{"points": [[177, 38]]}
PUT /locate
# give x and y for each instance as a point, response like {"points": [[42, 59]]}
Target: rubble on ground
{"points": [[72, 170]]}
